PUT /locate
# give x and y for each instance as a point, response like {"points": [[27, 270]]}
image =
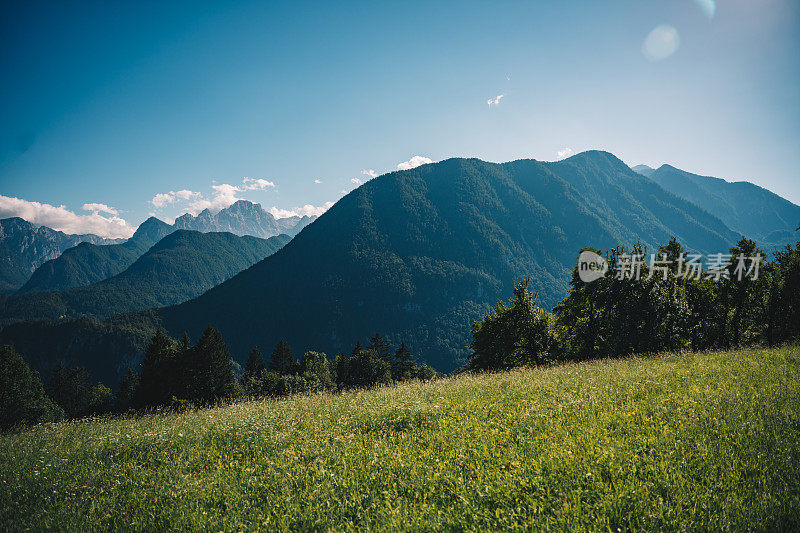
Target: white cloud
{"points": [[223, 196], [496, 100], [414, 162], [62, 219], [371, 173], [566, 152], [307, 209], [99, 208], [661, 43], [251, 184], [317, 181], [355, 181]]}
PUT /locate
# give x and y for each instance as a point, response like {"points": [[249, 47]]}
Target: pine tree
{"points": [[404, 367], [157, 382], [282, 360], [211, 366], [128, 388], [381, 347], [22, 396], [254, 365]]}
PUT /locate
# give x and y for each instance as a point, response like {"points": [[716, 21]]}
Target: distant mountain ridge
{"points": [[744, 207], [178, 267], [25, 246], [87, 264], [244, 218]]}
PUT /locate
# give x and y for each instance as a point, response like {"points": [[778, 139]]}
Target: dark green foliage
{"points": [[72, 390], [22, 396], [367, 368], [255, 364], [282, 360], [179, 267], [128, 387], [314, 366], [381, 347], [403, 367], [209, 369], [514, 334]]}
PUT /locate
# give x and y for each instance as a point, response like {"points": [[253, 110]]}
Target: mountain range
{"points": [[91, 262], [180, 266], [416, 255], [744, 207], [244, 218], [24, 247]]}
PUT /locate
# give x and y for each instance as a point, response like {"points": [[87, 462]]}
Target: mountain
{"points": [[89, 263], [419, 254], [644, 170], [416, 255], [243, 218], [24, 247], [180, 266], [744, 207]]}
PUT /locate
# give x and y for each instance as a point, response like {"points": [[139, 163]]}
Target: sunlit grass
{"points": [[696, 441]]}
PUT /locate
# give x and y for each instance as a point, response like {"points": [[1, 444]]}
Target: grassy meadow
{"points": [[705, 441]]}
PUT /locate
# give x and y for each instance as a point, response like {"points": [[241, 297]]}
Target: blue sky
{"points": [[107, 106]]}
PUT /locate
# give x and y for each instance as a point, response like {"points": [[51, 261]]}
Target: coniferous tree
{"points": [[71, 389], [381, 348], [314, 366], [340, 363], [254, 365], [128, 387], [403, 367], [158, 379], [282, 360], [22, 396], [210, 367]]}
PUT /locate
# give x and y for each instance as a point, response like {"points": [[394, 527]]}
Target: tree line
{"points": [[658, 312], [177, 374]]}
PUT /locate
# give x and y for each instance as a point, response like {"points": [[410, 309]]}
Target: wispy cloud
{"points": [[224, 194], [496, 100], [370, 173], [355, 181], [561, 154], [62, 219], [414, 162], [306, 210]]}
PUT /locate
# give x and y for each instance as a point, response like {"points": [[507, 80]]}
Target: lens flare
{"points": [[661, 43], [708, 7]]}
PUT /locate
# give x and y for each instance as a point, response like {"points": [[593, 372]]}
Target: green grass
{"points": [[698, 441]]}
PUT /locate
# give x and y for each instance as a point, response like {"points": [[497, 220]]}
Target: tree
{"points": [[71, 390], [513, 334], [22, 396], [314, 366], [128, 388], [404, 367], [254, 365], [381, 347], [738, 288], [367, 368], [282, 360], [209, 365], [340, 369], [159, 372]]}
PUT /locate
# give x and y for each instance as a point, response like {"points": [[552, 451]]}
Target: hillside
{"points": [[180, 266], [706, 442], [24, 247], [744, 207], [419, 254], [89, 263]]}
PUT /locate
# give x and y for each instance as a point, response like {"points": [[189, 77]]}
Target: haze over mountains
{"points": [[180, 266], [744, 207], [100, 259], [416, 255]]}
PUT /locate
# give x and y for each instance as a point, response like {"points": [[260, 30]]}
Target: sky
{"points": [[112, 112]]}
